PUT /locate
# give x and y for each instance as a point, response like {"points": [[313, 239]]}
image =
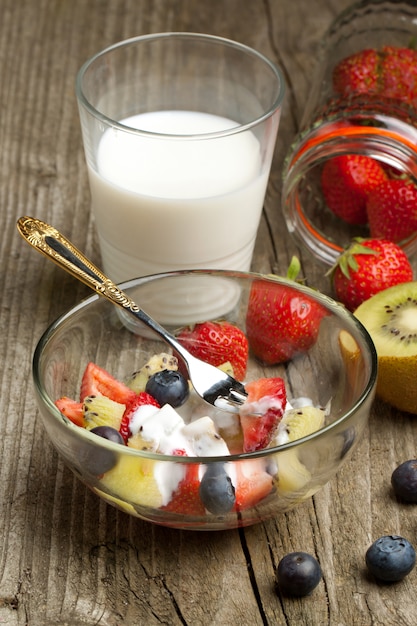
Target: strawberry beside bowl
{"points": [[308, 365]]}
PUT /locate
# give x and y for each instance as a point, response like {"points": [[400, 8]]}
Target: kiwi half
{"points": [[390, 317]]}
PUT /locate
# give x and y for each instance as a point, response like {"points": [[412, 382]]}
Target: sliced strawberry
{"points": [[262, 412], [71, 409], [216, 343], [140, 399], [97, 381], [186, 498], [253, 484]]}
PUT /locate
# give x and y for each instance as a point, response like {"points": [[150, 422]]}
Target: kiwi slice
{"points": [[303, 421], [390, 317], [156, 363]]}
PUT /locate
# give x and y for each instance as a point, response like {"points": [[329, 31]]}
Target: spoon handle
{"points": [[55, 246], [209, 382]]}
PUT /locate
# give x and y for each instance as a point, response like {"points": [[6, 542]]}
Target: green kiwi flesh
{"points": [[390, 317]]}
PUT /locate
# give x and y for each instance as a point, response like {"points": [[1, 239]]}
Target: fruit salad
{"points": [[156, 410]]}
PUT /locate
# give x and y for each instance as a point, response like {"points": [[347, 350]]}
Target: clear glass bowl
{"points": [[337, 372]]}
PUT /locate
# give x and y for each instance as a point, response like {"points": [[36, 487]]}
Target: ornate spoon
{"points": [[210, 383]]}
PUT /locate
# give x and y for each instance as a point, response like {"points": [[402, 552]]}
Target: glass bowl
{"points": [[337, 372]]}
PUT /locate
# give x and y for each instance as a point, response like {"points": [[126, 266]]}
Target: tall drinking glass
{"points": [[179, 131]]}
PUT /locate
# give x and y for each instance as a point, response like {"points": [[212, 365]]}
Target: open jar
{"points": [[363, 103]]}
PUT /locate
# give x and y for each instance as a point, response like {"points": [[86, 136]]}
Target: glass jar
{"points": [[366, 117]]}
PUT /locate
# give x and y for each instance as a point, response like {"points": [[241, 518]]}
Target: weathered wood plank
{"points": [[65, 557]]}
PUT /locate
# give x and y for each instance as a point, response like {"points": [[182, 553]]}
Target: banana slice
{"points": [[293, 475]]}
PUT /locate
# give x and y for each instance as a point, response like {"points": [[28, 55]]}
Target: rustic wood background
{"points": [[65, 557]]}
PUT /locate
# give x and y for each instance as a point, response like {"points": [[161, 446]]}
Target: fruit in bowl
{"points": [[125, 419]]}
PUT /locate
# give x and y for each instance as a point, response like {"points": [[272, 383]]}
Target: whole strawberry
{"points": [[392, 210], [357, 73], [346, 183], [367, 267], [281, 321], [398, 69], [216, 343], [390, 72]]}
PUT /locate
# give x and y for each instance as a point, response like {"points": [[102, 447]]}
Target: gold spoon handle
{"points": [[55, 246]]}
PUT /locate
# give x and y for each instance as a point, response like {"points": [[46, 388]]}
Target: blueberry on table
{"points": [[216, 490], [404, 481], [390, 558], [168, 387], [298, 573]]}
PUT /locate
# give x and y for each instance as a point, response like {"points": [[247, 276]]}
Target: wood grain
{"points": [[65, 557]]}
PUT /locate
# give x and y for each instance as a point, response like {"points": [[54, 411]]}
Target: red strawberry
{"points": [[186, 498], [392, 210], [281, 322], [96, 381], [216, 343], [346, 182], [71, 409], [140, 399], [253, 484], [262, 412], [390, 72], [357, 73], [367, 267], [399, 73]]}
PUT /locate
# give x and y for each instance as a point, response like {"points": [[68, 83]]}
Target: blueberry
{"points": [[404, 481], [107, 432], [95, 460], [168, 387], [390, 558], [298, 573], [216, 490]]}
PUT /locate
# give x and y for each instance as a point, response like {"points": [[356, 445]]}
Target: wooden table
{"points": [[65, 557]]}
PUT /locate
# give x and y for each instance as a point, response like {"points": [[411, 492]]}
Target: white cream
{"points": [[168, 476], [140, 416]]}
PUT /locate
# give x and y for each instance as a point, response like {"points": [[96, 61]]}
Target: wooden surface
{"points": [[65, 557]]}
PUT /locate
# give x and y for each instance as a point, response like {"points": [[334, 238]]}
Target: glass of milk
{"points": [[179, 131]]}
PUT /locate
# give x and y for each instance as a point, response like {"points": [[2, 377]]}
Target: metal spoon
{"points": [[210, 383]]}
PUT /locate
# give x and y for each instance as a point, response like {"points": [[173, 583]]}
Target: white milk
{"points": [[176, 203]]}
